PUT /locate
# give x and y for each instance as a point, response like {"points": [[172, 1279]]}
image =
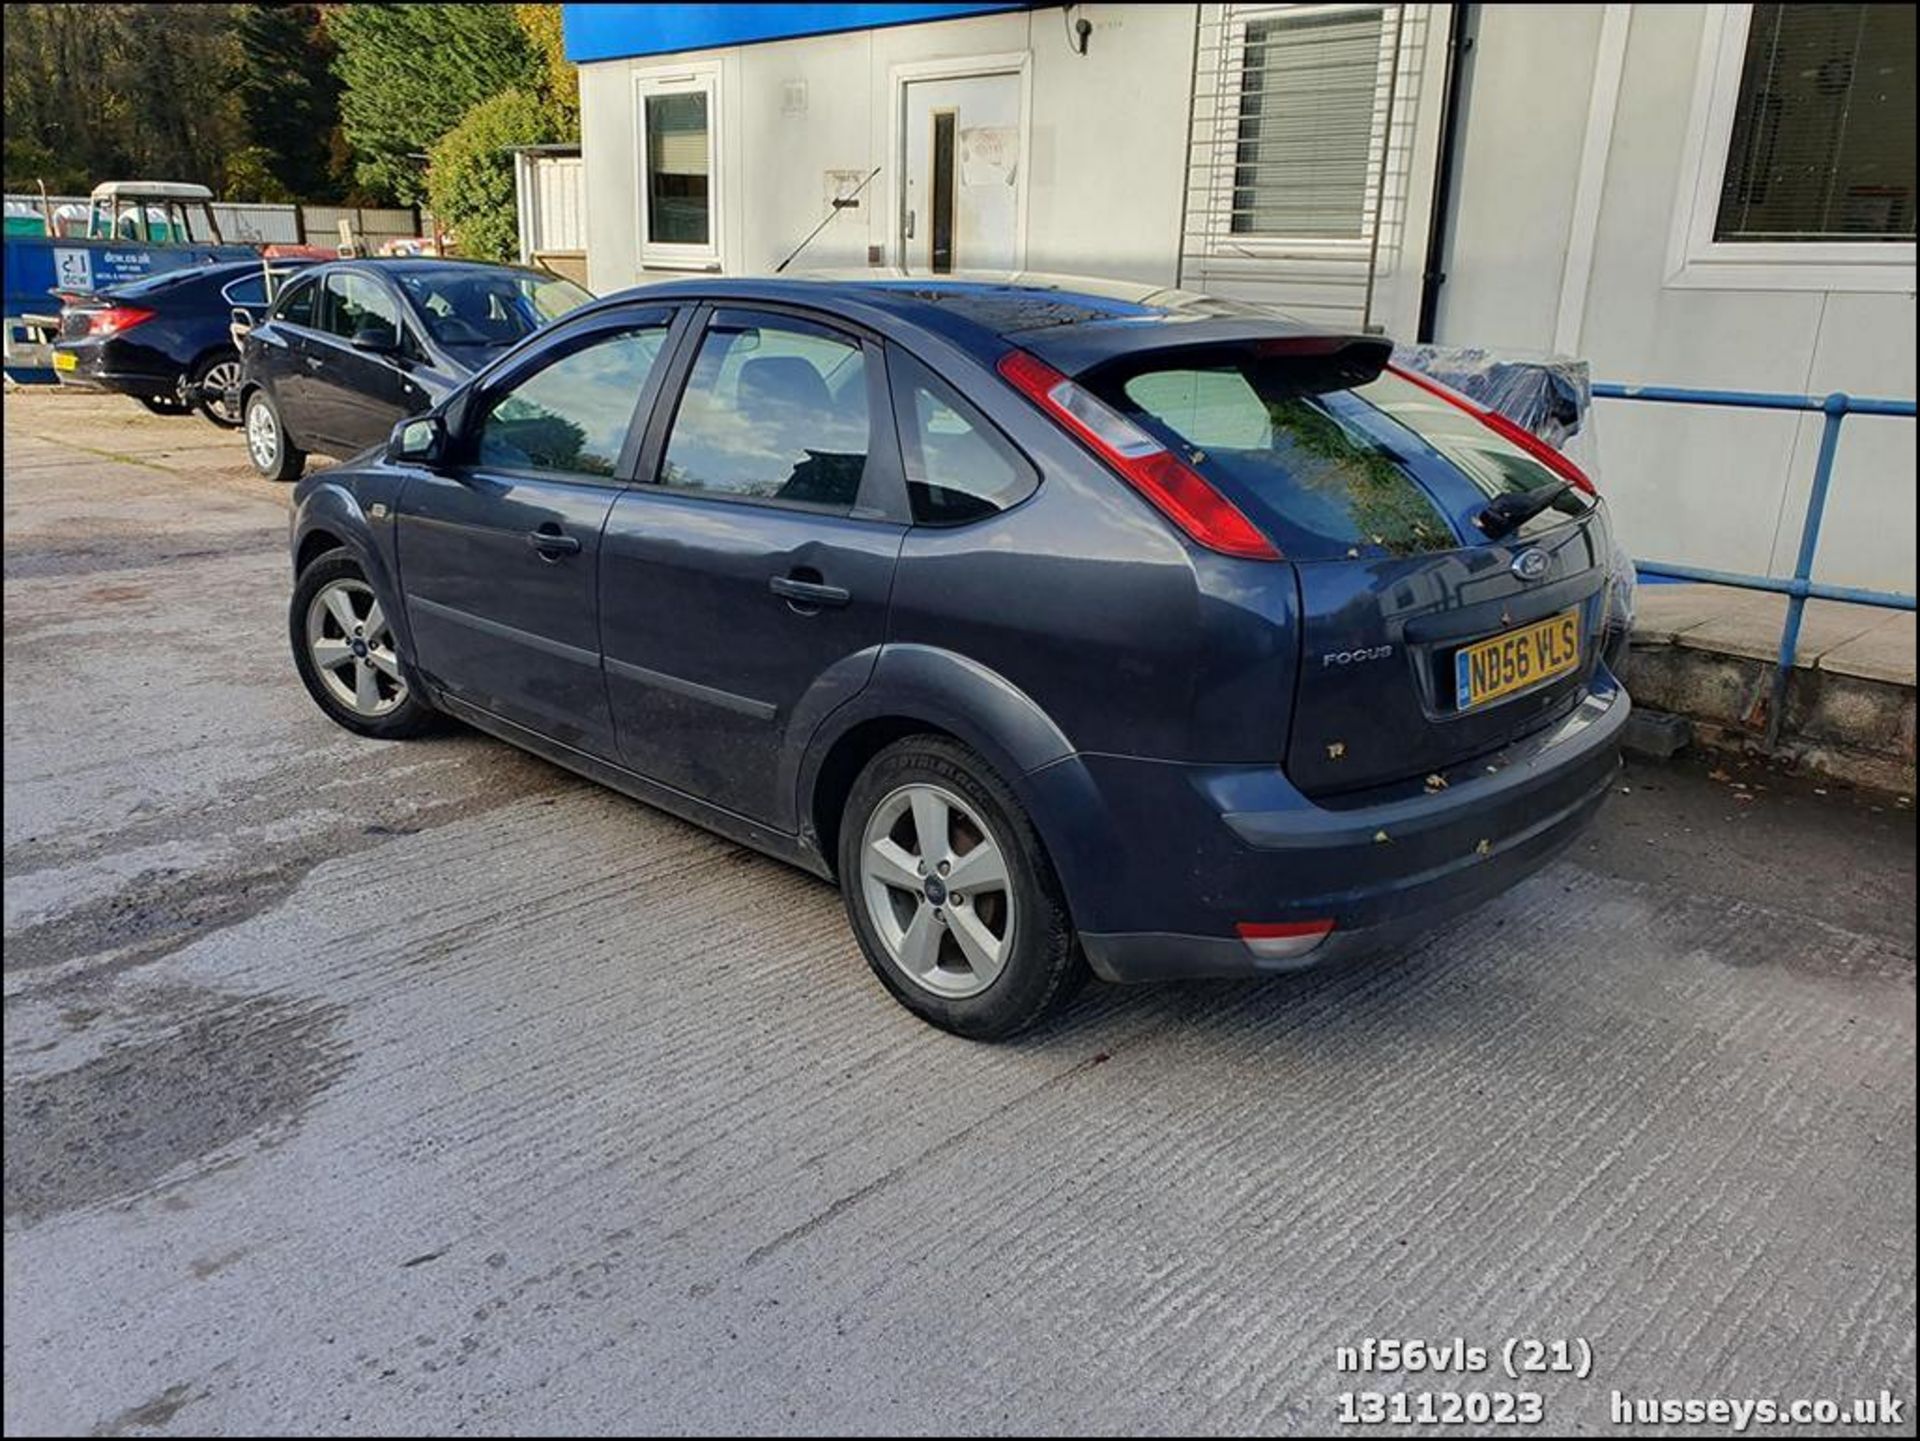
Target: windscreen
{"points": [[1329, 471], [488, 308]]}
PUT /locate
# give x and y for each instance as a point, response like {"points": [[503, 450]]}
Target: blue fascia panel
{"points": [[620, 32]]}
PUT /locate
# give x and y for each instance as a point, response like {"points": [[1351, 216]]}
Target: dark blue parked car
{"points": [[1154, 636], [166, 339], [357, 345]]}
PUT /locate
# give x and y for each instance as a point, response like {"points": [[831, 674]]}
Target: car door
{"points": [[356, 393], [277, 355], [499, 546], [744, 579]]}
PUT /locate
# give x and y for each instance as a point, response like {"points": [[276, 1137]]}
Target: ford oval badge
{"points": [[1530, 564]]}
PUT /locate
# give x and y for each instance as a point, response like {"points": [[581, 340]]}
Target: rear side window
{"points": [[959, 468], [1330, 472], [572, 417], [296, 304], [248, 290], [775, 410]]}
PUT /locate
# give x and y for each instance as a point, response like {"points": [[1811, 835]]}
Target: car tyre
{"points": [[345, 650], [207, 386], [273, 454], [951, 894]]}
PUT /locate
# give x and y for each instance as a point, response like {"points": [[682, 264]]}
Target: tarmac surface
{"points": [[360, 1087]]}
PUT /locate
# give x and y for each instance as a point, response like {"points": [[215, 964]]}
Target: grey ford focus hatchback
{"points": [[1067, 628]]}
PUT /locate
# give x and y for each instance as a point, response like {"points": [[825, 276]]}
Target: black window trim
{"points": [[900, 386], [478, 401], [883, 489], [277, 314]]}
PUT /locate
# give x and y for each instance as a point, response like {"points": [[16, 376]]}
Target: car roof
{"points": [[430, 265], [1071, 322]]}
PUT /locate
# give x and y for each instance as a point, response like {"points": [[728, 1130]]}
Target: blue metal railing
{"points": [[1802, 587]]}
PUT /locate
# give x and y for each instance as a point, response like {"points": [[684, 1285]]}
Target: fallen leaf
{"points": [[1436, 782], [1380, 837], [1484, 848], [1718, 776], [1336, 750]]}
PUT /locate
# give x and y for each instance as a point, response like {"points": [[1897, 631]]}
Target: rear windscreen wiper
{"points": [[1511, 509]]}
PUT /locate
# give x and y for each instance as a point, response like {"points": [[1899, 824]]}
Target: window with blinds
{"points": [[1823, 132], [1310, 97], [678, 169]]}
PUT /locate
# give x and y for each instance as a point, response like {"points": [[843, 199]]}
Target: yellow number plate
{"points": [[65, 360], [1503, 664]]}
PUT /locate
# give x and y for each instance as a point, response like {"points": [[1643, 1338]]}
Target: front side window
{"points": [[958, 467], [679, 160], [357, 303], [572, 417], [1823, 130], [775, 410]]}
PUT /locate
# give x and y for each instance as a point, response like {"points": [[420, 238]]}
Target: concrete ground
{"points": [[424, 1088]]}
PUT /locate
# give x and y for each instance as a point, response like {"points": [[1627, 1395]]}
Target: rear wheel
{"points": [[951, 894], [344, 648], [272, 453], [212, 381]]}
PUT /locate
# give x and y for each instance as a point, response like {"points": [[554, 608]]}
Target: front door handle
{"points": [[552, 544], [807, 595]]}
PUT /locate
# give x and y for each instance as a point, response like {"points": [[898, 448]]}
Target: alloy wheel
{"points": [[937, 890], [215, 386], [263, 436], [352, 648]]}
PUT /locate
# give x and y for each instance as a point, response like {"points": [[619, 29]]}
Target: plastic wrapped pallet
{"points": [[1552, 396]]}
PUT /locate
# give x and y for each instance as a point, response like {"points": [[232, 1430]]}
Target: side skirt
{"points": [[782, 847]]}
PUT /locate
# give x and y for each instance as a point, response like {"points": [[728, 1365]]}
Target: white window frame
{"points": [[704, 78], [1224, 142], [1695, 260]]}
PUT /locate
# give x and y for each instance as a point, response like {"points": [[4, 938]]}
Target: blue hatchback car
{"points": [[1067, 630]]}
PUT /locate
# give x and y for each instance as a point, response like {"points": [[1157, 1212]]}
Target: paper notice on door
{"points": [[989, 154]]}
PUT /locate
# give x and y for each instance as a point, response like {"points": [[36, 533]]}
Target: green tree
{"points": [[290, 100], [97, 92], [410, 72], [470, 181], [560, 80]]}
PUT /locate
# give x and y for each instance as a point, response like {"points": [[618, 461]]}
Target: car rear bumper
{"points": [[1204, 850], [95, 369]]}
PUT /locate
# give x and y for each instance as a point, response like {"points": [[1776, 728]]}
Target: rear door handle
{"points": [[552, 544], [808, 592]]}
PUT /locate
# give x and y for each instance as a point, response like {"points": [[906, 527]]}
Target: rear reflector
{"points": [[1554, 460], [1283, 940], [115, 319], [1177, 491]]}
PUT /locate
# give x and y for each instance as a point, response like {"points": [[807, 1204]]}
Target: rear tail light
{"points": [[1177, 491], [1283, 940], [1554, 460], [115, 319]]}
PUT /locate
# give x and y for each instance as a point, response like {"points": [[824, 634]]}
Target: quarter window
{"points": [[774, 411], [296, 306], [572, 417], [958, 467]]}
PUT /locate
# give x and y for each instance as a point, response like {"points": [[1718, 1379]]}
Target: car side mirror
{"points": [[376, 340], [423, 439]]}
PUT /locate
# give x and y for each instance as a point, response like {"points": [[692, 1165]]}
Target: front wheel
{"points": [[268, 447], [210, 385], [951, 894], [344, 649]]}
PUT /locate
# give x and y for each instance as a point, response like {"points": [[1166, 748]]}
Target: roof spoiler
{"points": [[1339, 360]]}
